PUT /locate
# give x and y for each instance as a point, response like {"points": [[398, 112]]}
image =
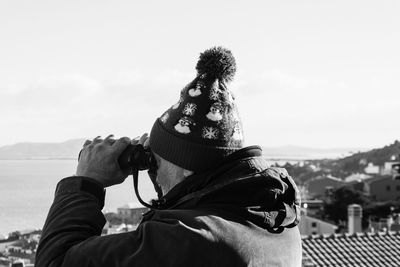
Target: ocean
{"points": [[27, 190]]}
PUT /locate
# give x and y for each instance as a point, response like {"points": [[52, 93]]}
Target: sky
{"points": [[320, 74]]}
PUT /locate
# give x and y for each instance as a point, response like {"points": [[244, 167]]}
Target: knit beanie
{"points": [[203, 127]]}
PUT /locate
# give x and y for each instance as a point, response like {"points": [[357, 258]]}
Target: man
{"points": [[220, 203]]}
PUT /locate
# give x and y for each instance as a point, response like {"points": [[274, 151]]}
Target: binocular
{"points": [[137, 157]]}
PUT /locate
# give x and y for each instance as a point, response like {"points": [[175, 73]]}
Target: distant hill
{"points": [[378, 156], [298, 152], [71, 148], [68, 149]]}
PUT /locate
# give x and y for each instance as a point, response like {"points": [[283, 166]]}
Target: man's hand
{"points": [[99, 160]]}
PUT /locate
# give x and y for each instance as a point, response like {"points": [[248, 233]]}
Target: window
{"points": [[388, 188], [313, 224], [398, 187]]}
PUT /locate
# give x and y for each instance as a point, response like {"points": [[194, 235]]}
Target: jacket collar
{"points": [[228, 171], [245, 186]]}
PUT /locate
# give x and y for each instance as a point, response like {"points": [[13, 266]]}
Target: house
{"points": [[116, 229], [382, 188], [392, 223], [354, 248], [318, 187], [4, 262], [372, 169], [313, 226], [132, 211], [388, 167], [356, 185], [312, 207], [357, 177]]}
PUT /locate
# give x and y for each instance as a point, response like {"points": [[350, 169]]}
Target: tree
{"points": [[381, 209], [335, 208]]}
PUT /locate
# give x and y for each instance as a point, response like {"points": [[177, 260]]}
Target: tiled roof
{"points": [[361, 249]]}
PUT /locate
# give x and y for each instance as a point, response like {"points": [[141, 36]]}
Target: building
{"points": [[382, 188], [132, 212], [116, 229], [357, 177], [318, 187], [5, 262], [309, 225], [312, 207], [372, 169], [313, 226], [354, 248], [354, 215], [388, 167]]}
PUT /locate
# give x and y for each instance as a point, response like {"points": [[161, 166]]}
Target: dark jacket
{"points": [[241, 214]]}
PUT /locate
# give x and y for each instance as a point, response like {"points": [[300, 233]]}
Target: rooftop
{"points": [[361, 249], [132, 205]]}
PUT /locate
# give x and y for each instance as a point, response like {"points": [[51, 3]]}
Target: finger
{"points": [[146, 143], [97, 140], [87, 142], [111, 136], [143, 138], [135, 140], [109, 139], [120, 145]]}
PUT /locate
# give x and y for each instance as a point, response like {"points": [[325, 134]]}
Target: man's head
{"points": [[203, 127], [169, 174]]}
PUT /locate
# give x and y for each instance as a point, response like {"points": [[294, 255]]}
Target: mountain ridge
{"points": [[69, 149], [357, 162], [42, 150]]}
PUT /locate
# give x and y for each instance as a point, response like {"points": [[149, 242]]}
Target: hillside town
{"points": [[348, 201], [351, 209]]}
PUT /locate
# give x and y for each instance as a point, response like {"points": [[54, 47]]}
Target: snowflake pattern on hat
{"points": [[210, 132], [215, 94], [189, 109], [183, 125], [215, 113]]}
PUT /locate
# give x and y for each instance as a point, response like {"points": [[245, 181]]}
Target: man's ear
{"points": [[187, 173]]}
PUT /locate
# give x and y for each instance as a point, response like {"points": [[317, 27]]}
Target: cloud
{"points": [[313, 98], [65, 91], [290, 109], [173, 77], [126, 78], [275, 107], [49, 92], [74, 105]]}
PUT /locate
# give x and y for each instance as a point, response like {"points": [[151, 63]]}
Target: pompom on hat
{"points": [[199, 131]]}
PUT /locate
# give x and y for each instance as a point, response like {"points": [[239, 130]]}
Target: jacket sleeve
{"points": [[71, 234], [74, 217]]}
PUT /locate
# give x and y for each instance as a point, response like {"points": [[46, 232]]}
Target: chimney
{"points": [[354, 212]]}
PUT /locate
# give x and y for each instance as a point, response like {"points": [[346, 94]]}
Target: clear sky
{"points": [[310, 73]]}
